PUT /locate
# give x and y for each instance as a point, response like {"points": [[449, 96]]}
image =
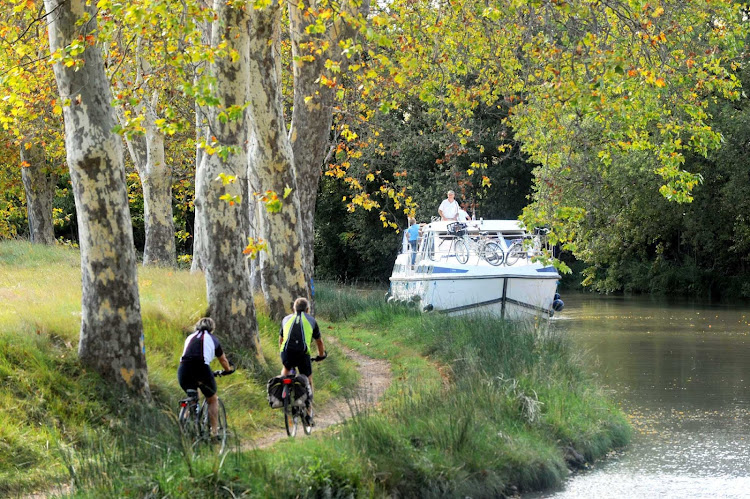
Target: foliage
{"points": [[605, 98], [422, 158], [12, 196], [635, 241]]}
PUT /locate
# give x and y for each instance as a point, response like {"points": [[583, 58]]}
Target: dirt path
{"points": [[375, 379]]}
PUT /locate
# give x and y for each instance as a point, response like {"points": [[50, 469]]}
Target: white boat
{"points": [[479, 267]]}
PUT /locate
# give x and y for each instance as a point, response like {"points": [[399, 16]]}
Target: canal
{"points": [[681, 371]]}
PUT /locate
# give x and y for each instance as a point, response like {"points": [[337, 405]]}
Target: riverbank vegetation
{"points": [[476, 407]]}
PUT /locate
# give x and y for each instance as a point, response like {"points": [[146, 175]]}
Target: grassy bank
{"points": [[57, 420], [476, 407]]}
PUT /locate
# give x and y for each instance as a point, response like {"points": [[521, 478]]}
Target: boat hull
{"points": [[508, 294]]}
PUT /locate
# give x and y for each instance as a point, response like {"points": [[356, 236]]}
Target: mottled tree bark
{"points": [[147, 153], [224, 221], [201, 135], [111, 339], [272, 168], [313, 108], [199, 237], [39, 184]]}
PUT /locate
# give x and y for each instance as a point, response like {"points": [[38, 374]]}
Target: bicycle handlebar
{"points": [[219, 374]]}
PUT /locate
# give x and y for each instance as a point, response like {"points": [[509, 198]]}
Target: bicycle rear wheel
{"points": [[493, 253], [290, 418], [187, 422]]}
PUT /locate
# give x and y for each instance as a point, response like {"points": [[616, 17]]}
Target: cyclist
{"points": [[298, 330], [201, 347]]}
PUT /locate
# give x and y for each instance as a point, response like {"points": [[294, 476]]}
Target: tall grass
{"points": [[490, 416], [59, 420]]}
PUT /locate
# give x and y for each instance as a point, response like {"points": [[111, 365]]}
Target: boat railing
{"points": [[441, 247]]}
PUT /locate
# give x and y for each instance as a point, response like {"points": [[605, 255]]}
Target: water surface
{"points": [[681, 371]]}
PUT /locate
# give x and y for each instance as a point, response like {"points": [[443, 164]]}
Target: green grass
{"points": [[54, 413], [477, 407]]}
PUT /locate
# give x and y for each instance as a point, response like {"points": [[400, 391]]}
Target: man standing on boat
{"points": [[448, 209]]}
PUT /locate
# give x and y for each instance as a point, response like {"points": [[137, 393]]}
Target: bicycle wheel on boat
{"points": [[290, 416], [514, 254], [462, 251], [493, 253]]}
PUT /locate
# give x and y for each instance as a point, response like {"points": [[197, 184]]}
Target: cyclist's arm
{"points": [[321, 347], [225, 363]]}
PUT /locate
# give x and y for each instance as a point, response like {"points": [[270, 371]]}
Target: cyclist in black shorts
{"points": [[201, 347], [298, 330]]}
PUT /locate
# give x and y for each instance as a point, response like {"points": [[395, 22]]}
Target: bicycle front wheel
{"points": [[514, 253], [222, 428], [220, 438], [493, 253], [462, 251], [290, 419]]}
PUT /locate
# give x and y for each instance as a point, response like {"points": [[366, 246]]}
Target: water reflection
{"points": [[681, 371]]}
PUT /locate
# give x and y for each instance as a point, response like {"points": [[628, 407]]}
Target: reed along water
{"points": [[681, 371]]}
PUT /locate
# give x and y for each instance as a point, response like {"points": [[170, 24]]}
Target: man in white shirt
{"points": [[448, 209]]}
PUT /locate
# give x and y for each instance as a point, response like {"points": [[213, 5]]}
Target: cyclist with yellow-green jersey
{"points": [[298, 331]]}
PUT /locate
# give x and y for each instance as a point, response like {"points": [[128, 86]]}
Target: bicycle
{"points": [[193, 418], [292, 411], [517, 250], [485, 248]]}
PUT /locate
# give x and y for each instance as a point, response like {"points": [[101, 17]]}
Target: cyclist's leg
{"points": [[305, 367], [213, 413]]}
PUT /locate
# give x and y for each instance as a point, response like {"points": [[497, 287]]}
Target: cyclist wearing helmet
{"points": [[201, 347], [297, 331]]}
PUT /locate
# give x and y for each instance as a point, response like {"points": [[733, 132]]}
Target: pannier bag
{"points": [[300, 389]]}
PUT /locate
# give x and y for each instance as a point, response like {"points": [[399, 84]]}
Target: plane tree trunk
{"points": [[219, 198], [312, 117], [111, 338], [272, 169], [147, 153], [39, 185]]}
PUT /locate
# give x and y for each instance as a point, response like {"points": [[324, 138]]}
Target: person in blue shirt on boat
{"points": [[412, 234]]}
